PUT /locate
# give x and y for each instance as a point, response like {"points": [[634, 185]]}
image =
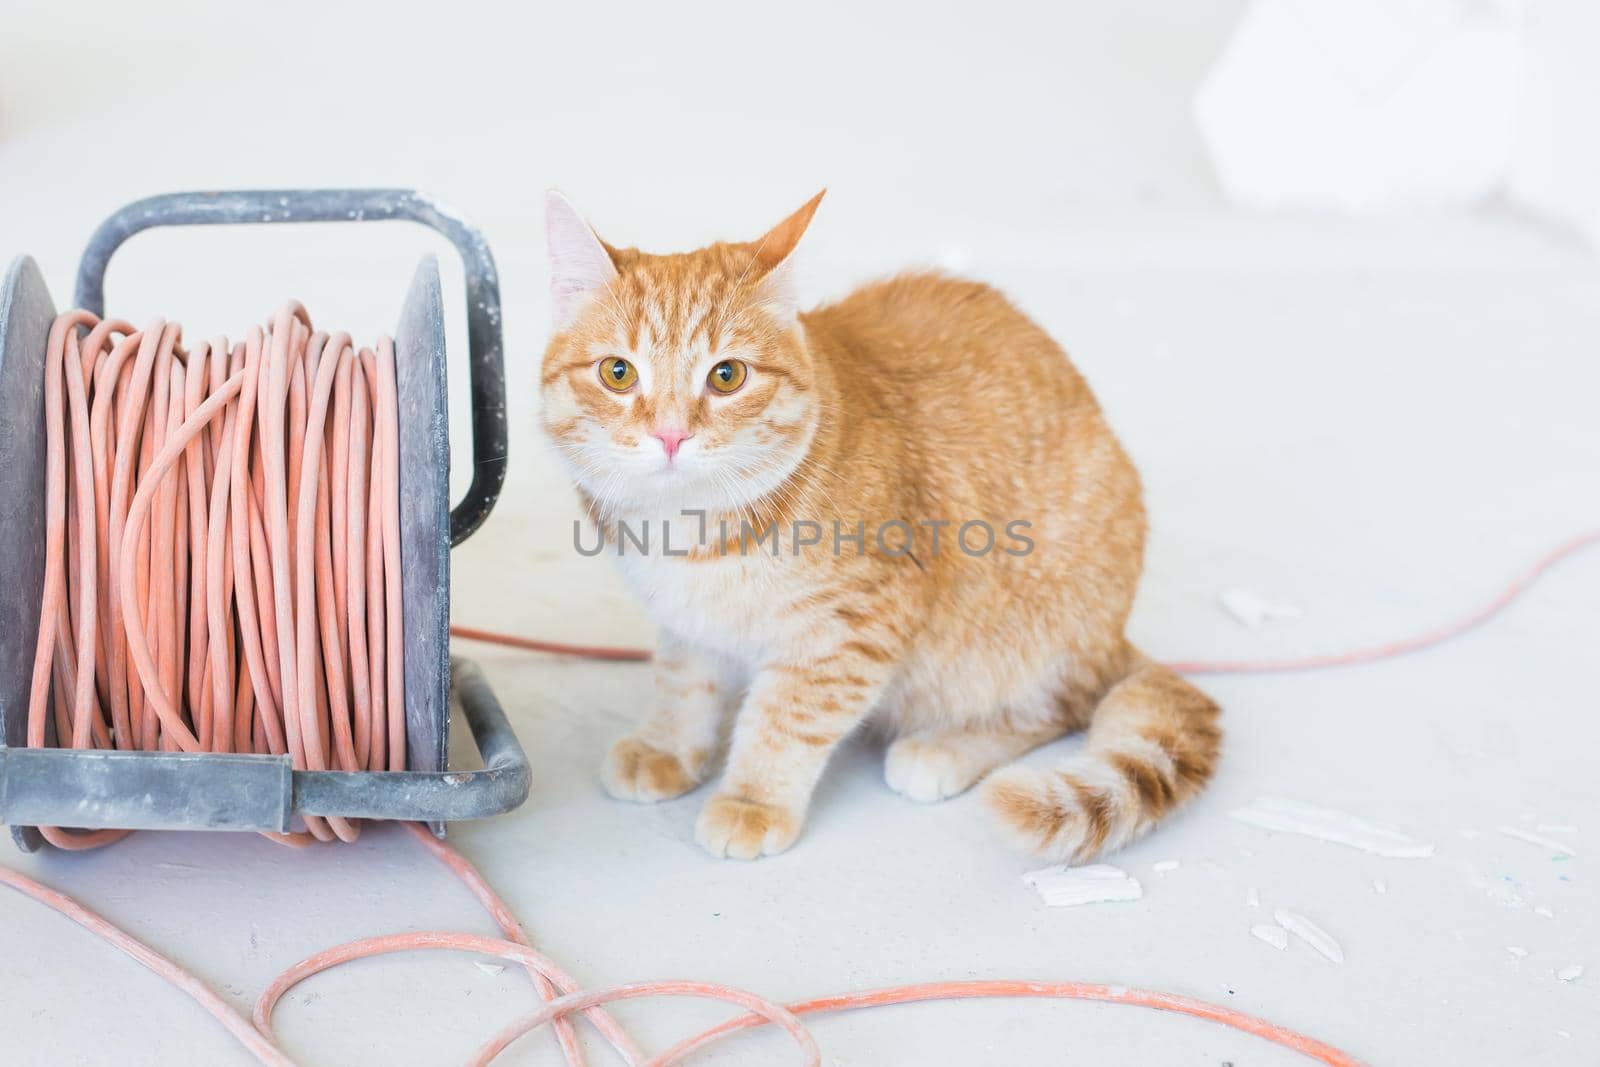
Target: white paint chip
{"points": [[1276, 936], [1545, 912], [1560, 848], [1098, 883], [1570, 973], [1556, 828], [1468, 834], [1379, 886], [490, 969], [1310, 933], [1518, 951], [1163, 866], [1252, 609], [1502, 890], [1309, 820], [1252, 898]]}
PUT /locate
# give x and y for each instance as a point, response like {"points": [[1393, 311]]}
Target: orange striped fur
{"points": [[922, 399]]}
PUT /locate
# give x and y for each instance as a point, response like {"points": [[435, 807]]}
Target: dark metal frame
{"points": [[485, 348], [154, 790]]}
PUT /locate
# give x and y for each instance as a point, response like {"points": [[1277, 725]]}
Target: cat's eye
{"points": [[727, 376], [617, 374]]}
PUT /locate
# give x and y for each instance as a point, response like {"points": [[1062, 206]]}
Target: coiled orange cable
{"points": [[257, 482]]}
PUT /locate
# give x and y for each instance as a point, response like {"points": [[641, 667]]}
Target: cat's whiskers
{"points": [[618, 317], [603, 499], [746, 506], [809, 464], [733, 291], [759, 468]]}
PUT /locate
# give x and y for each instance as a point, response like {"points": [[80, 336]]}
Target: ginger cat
{"points": [[813, 489]]}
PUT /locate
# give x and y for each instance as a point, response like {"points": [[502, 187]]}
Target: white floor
{"points": [[1379, 424], [1378, 421]]}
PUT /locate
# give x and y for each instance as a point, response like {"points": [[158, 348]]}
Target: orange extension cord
{"points": [[1388, 650], [286, 648], [288, 442]]}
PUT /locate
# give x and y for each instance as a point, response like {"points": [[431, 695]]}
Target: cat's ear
{"points": [[580, 263], [776, 288]]}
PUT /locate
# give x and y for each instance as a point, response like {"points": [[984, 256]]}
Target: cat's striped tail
{"points": [[1152, 745]]}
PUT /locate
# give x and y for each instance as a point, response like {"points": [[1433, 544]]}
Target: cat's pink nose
{"points": [[671, 440]]}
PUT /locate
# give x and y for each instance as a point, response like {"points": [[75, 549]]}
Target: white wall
{"points": [[666, 120]]}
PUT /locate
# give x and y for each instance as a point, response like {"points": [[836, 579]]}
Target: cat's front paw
{"points": [[927, 770], [636, 770], [736, 828]]}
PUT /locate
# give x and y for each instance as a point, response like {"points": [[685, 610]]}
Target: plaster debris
{"points": [[1560, 848], [1252, 898], [1098, 883], [1276, 936], [1502, 890], [1518, 951], [1297, 817], [490, 969], [1163, 866], [1252, 609], [1570, 973], [1545, 912], [1379, 886], [1310, 933]]}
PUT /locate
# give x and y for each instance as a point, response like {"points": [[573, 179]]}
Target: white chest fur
{"points": [[732, 603]]}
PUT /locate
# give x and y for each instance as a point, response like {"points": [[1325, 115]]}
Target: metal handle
{"points": [[254, 206], [95, 788], [437, 797]]}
